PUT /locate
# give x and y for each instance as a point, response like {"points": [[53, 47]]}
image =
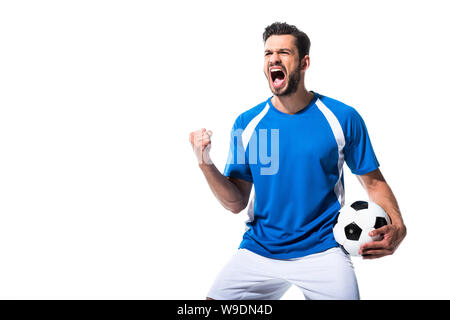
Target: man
{"points": [[299, 188]]}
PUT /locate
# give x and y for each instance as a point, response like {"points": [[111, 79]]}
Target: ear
{"points": [[305, 63]]}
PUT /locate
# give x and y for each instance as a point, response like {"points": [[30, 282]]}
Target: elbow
{"points": [[236, 210], [404, 230], [236, 207]]}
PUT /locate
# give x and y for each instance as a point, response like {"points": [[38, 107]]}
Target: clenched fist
{"points": [[201, 144]]}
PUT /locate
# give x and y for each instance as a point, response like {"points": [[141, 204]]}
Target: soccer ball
{"points": [[354, 222]]}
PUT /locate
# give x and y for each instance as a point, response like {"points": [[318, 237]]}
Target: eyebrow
{"points": [[280, 49]]}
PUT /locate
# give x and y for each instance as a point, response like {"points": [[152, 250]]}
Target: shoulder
{"points": [[342, 111], [245, 117], [337, 107]]}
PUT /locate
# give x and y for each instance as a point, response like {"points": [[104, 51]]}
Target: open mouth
{"points": [[278, 76]]}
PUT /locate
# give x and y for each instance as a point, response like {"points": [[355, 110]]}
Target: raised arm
{"points": [[232, 193]]}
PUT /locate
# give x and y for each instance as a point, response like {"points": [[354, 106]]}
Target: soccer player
{"points": [[292, 148]]}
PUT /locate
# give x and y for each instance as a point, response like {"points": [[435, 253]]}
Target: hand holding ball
{"points": [[355, 221]]}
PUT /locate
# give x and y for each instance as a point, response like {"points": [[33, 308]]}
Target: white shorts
{"points": [[324, 275]]}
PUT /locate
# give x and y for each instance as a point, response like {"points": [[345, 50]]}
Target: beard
{"points": [[292, 86]]}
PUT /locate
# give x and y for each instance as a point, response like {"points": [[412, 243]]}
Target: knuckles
{"points": [[199, 138]]}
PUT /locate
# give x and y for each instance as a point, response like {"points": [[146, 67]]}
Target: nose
{"points": [[274, 59]]}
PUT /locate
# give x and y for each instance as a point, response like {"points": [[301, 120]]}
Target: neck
{"points": [[293, 103]]}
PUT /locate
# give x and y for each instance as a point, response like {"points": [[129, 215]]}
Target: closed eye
{"points": [[283, 52]]}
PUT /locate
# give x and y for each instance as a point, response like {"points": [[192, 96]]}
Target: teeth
{"points": [[272, 70]]}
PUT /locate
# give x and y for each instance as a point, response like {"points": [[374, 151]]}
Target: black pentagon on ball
{"points": [[360, 205], [379, 222], [352, 231]]}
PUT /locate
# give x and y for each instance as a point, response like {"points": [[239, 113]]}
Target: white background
{"points": [[100, 195]]}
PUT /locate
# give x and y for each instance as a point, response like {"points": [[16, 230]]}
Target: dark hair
{"points": [[280, 28]]}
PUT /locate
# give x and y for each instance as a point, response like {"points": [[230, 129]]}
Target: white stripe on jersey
{"points": [[246, 135], [248, 131], [340, 140]]}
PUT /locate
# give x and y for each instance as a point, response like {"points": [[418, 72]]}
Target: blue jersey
{"points": [[296, 165]]}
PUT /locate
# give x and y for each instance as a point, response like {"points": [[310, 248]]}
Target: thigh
{"points": [[248, 276], [326, 275]]}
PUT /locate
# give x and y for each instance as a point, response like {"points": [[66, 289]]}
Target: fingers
{"points": [[376, 249], [366, 247], [201, 145], [205, 139], [200, 138], [380, 231], [375, 254]]}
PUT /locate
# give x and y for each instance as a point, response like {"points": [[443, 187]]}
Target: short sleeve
{"points": [[237, 165], [358, 151]]}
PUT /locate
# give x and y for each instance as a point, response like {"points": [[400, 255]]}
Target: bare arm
{"points": [[232, 193], [393, 234]]}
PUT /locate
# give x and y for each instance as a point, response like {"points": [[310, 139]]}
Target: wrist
{"points": [[205, 159], [205, 165], [399, 225]]}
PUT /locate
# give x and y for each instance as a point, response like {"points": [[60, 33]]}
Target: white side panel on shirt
{"points": [[246, 135], [340, 140]]}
